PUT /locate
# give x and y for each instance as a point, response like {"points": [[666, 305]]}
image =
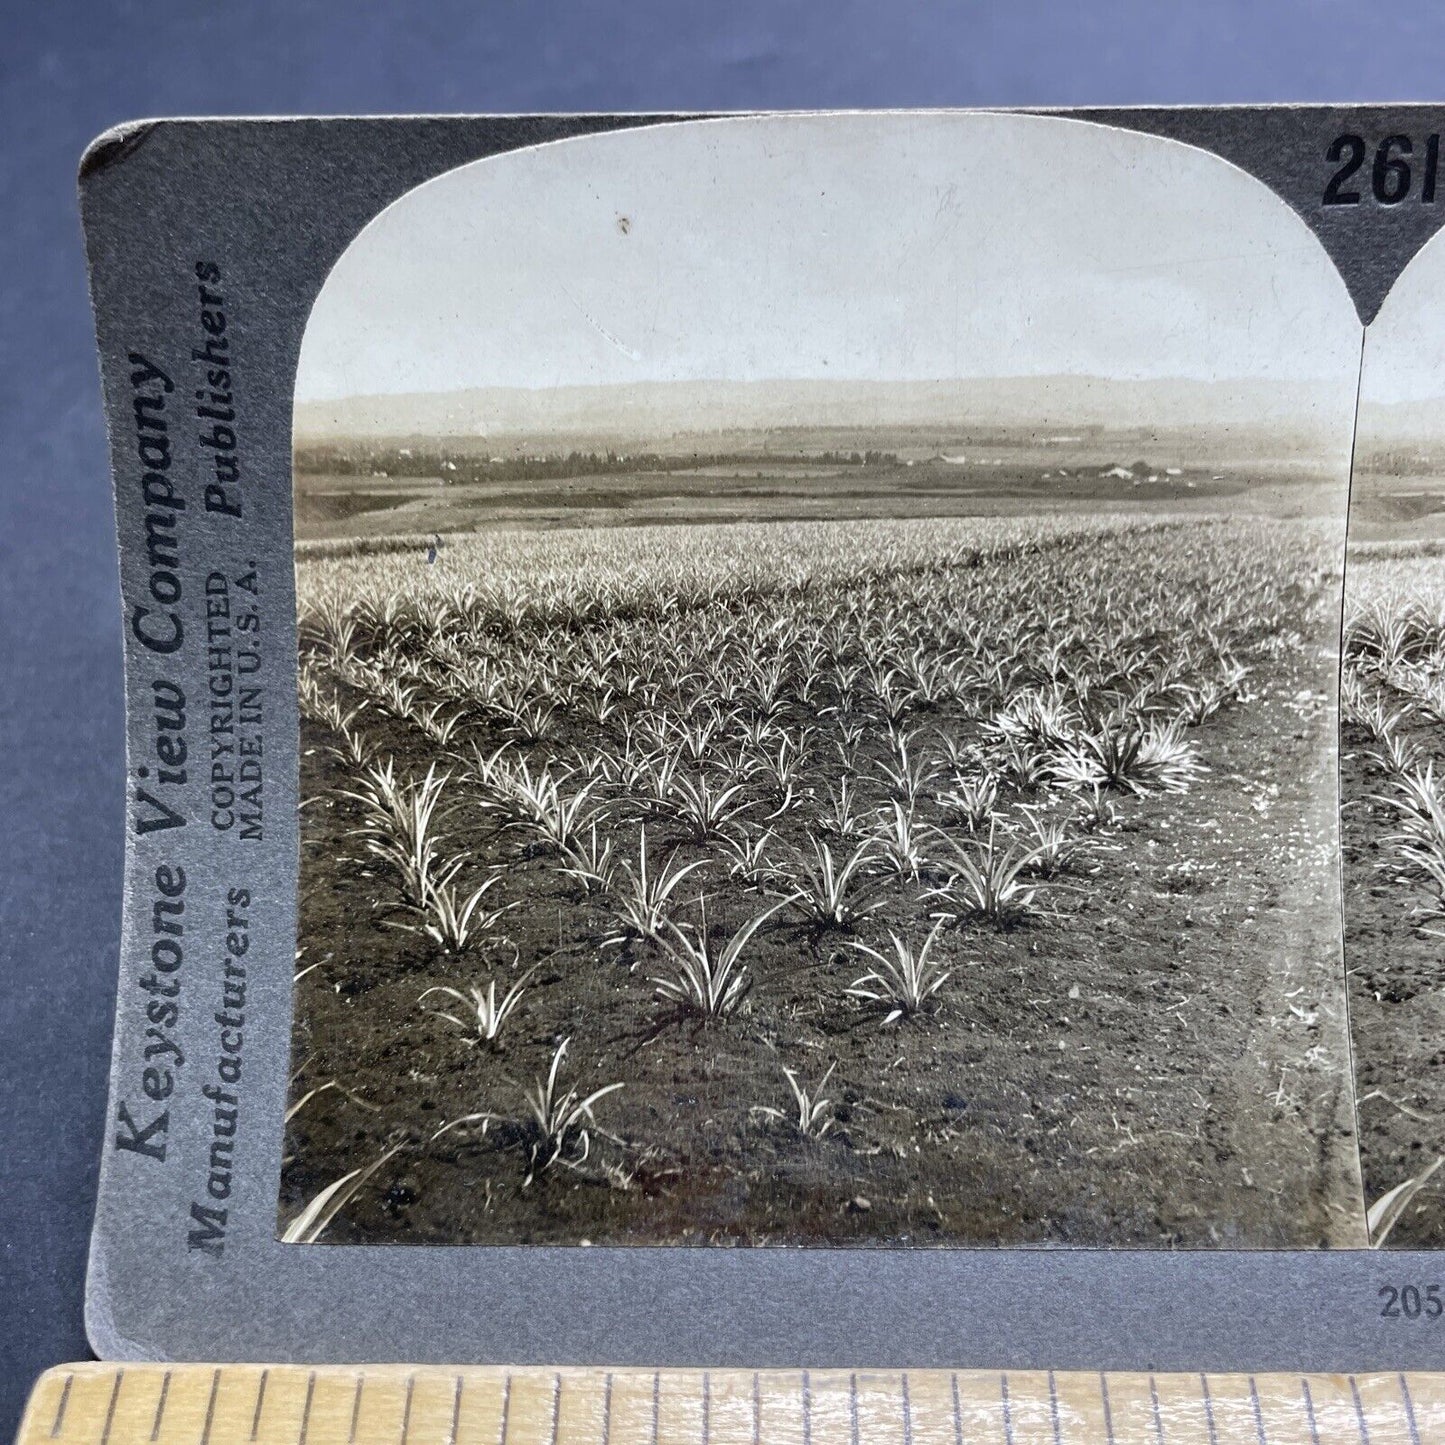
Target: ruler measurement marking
{"points": [[1158, 1418], [807, 1409], [211, 1407], [306, 1408], [1108, 1409], [1409, 1405], [957, 1409], [406, 1408], [656, 1402], [62, 1406], [260, 1402], [907, 1412], [607, 1409], [757, 1409], [706, 1408], [1258, 1413], [1053, 1407], [852, 1410], [161, 1406], [355, 1410], [1008, 1414], [556, 1405], [1359, 1411], [1208, 1409], [1309, 1400], [506, 1407], [456, 1413], [110, 1409]]}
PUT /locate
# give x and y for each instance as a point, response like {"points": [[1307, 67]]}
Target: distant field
{"points": [[1384, 574], [998, 478], [1405, 507]]}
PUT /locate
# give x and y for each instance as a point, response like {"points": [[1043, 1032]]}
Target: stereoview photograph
{"points": [[818, 664], [1392, 752]]}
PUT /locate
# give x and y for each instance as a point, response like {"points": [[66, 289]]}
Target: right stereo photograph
{"points": [[1392, 760]]}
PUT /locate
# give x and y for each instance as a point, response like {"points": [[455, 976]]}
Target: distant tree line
{"points": [[392, 461], [1403, 460]]}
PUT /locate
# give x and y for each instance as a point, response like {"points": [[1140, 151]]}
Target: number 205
{"points": [[1391, 177], [1410, 1301]]}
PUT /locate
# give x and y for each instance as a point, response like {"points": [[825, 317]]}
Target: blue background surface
{"points": [[68, 70]]}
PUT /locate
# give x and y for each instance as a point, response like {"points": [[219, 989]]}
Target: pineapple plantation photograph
{"points": [[818, 667], [1392, 762]]}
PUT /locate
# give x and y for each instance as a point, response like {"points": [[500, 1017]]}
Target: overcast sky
{"points": [[1405, 345], [882, 246]]}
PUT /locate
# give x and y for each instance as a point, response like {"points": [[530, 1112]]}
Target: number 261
{"points": [[1391, 176]]}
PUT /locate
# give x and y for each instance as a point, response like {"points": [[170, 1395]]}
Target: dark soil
{"points": [[1397, 1006], [1163, 1063]]}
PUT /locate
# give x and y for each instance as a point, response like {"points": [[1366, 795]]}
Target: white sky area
{"points": [[889, 247], [1405, 344]]}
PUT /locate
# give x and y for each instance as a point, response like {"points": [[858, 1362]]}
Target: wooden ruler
{"points": [[110, 1404]]}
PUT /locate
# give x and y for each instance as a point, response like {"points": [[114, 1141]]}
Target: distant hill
{"points": [[649, 414], [1403, 423]]}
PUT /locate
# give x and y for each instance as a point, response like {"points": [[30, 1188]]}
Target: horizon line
{"points": [[773, 381]]}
